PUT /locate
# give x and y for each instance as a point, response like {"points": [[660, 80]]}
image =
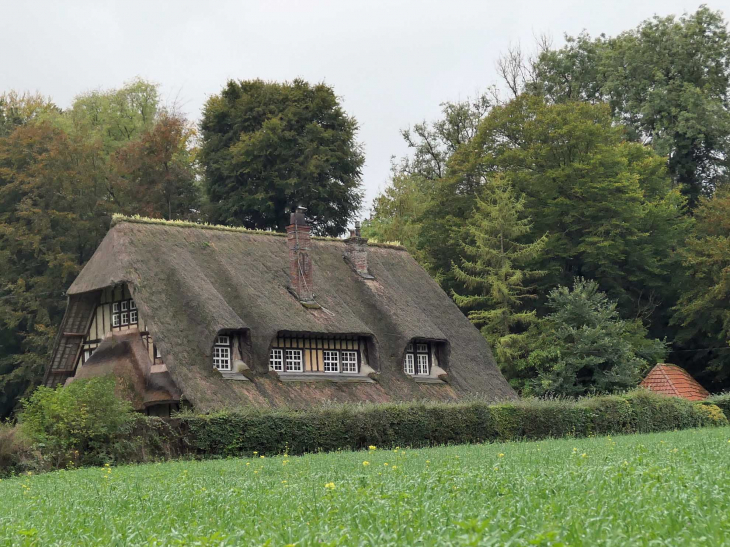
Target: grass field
{"points": [[658, 489]]}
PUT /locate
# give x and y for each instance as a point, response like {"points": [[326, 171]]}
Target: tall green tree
{"points": [[268, 147], [50, 224], [583, 346], [397, 213], [62, 175], [494, 268], [667, 81], [607, 205], [702, 314], [18, 109]]}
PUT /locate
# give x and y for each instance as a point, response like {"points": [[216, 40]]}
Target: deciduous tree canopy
{"points": [[270, 147]]}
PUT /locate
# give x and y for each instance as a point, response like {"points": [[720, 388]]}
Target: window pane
{"points": [[294, 360], [331, 361], [115, 307], [422, 362], [349, 361], [276, 360], [115, 320], [125, 318], [222, 340], [133, 317], [422, 348], [124, 305], [409, 347], [132, 305], [408, 366], [222, 358]]}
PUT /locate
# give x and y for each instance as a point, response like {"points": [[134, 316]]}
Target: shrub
{"points": [[15, 451], [722, 401], [83, 423], [427, 424], [713, 413]]}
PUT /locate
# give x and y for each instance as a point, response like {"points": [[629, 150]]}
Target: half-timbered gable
{"points": [[227, 317]]}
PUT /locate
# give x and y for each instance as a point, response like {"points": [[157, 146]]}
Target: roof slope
{"points": [[192, 282], [674, 380], [126, 357]]}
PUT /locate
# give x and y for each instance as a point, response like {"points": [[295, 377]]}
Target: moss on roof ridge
{"points": [[137, 219]]}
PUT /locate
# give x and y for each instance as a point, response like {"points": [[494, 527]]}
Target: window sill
{"points": [[427, 380], [324, 377], [234, 376]]}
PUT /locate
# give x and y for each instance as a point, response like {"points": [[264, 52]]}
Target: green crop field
{"points": [[658, 489]]}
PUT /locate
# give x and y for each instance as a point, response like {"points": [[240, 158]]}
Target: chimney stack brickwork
{"points": [[299, 237], [356, 252]]}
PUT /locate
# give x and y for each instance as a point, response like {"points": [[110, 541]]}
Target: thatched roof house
{"points": [[224, 317]]}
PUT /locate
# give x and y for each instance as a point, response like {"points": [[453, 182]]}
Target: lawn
{"points": [[658, 489]]}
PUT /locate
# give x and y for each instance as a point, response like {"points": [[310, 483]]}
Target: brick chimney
{"points": [[298, 235], [356, 252]]}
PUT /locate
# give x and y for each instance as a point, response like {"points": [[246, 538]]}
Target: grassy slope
{"points": [[671, 487]]}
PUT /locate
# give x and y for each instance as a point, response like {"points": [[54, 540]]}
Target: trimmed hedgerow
{"points": [[64, 437], [423, 424]]}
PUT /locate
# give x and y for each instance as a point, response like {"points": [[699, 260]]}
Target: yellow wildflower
{"points": [[366, 463], [330, 485], [371, 447], [501, 455]]}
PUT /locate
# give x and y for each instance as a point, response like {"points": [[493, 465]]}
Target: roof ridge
{"points": [[137, 219]]}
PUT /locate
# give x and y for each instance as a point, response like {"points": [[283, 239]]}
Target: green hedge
{"points": [[347, 427], [422, 424]]}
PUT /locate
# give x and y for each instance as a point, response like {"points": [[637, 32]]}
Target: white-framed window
{"points": [[331, 361], [422, 364], [276, 360], [408, 364], [417, 359], [222, 353], [349, 362], [124, 313], [293, 360]]}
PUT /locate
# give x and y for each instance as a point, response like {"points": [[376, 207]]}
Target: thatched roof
{"points": [[192, 282], [126, 357]]}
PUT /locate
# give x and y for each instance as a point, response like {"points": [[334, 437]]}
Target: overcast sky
{"points": [[392, 62]]}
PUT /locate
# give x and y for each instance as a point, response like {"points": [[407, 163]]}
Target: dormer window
{"points": [[222, 353], [124, 313], [331, 355], [417, 360]]}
